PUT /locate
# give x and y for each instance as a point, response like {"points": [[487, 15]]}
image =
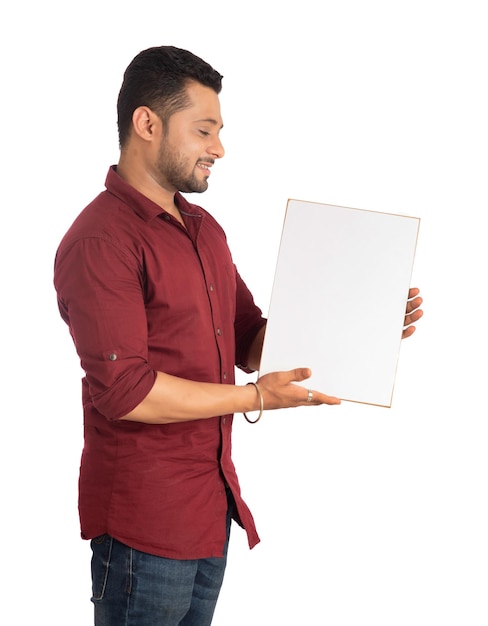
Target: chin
{"points": [[200, 188]]}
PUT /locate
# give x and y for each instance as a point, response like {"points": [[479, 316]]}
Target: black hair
{"points": [[157, 78]]}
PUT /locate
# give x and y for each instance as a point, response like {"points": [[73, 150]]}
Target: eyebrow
{"points": [[210, 120]]}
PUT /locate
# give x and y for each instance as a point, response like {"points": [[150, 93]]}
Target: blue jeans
{"points": [[132, 588]]}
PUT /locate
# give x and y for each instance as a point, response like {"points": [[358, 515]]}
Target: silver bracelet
{"points": [[261, 405]]}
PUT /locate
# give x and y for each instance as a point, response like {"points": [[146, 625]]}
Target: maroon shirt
{"points": [[141, 294]]}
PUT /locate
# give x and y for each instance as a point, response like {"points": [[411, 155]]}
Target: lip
{"points": [[205, 167], [205, 164]]}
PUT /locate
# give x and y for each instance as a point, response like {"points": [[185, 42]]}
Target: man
{"points": [[160, 317]]}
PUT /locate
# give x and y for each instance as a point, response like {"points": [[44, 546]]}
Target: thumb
{"points": [[301, 373]]}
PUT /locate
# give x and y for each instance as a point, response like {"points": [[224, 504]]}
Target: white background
{"points": [[367, 515]]}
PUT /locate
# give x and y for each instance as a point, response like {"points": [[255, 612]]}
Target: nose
{"points": [[216, 149]]}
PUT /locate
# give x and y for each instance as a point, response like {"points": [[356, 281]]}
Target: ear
{"points": [[146, 123]]}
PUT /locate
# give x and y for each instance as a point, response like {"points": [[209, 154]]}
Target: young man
{"points": [[160, 317]]}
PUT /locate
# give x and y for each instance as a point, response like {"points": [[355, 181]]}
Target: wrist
{"points": [[260, 401]]}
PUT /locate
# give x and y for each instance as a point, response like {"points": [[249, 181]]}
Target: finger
{"points": [[412, 292], [315, 398], [413, 304], [331, 400], [300, 373], [411, 318], [408, 332]]}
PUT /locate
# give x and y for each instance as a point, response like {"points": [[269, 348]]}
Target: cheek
{"points": [[186, 148], [192, 145]]}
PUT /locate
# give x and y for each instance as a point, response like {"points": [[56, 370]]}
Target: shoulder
{"points": [[106, 218]]}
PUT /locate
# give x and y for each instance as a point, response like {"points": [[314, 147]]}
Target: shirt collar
{"points": [[143, 206]]}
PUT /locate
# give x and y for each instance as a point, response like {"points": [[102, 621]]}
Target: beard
{"points": [[175, 168]]}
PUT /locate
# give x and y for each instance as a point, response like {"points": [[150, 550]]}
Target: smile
{"points": [[205, 166]]}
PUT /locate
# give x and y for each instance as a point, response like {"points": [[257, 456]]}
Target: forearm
{"points": [[174, 399]]}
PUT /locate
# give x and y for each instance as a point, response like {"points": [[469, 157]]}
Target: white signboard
{"points": [[339, 297]]}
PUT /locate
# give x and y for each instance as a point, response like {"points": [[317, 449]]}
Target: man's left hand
{"points": [[413, 312]]}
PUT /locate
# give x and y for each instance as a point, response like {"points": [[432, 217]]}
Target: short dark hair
{"points": [[157, 78]]}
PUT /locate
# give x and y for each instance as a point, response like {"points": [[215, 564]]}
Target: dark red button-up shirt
{"points": [[141, 294]]}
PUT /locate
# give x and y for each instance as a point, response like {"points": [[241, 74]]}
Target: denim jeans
{"points": [[132, 588]]}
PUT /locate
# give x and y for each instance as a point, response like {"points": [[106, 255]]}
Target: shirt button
{"points": [[224, 420], [219, 332], [113, 356], [211, 287], [224, 375]]}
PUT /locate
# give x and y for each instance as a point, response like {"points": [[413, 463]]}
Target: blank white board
{"points": [[339, 297]]}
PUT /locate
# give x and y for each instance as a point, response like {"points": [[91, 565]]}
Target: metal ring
{"points": [[310, 396]]}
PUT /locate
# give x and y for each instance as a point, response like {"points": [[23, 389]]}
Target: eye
{"points": [[204, 133]]}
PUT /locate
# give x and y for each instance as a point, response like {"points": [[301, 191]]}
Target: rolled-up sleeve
{"points": [[100, 297]]}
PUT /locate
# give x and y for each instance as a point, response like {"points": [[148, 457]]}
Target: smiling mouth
{"points": [[205, 165]]}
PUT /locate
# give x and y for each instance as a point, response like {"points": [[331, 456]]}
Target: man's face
{"points": [[190, 143]]}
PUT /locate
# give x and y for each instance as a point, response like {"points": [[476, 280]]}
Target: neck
{"points": [[137, 176]]}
